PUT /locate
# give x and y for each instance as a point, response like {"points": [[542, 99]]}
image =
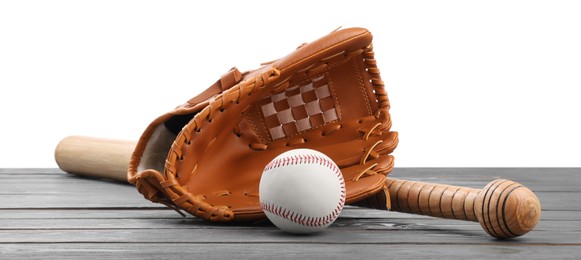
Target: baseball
{"points": [[302, 191]]}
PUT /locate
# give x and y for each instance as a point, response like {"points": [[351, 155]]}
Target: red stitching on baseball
{"points": [[299, 218], [305, 159]]}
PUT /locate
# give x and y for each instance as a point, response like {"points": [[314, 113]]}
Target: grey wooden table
{"points": [[47, 214]]}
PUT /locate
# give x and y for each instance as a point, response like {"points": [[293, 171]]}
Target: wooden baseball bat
{"points": [[95, 157], [504, 209]]}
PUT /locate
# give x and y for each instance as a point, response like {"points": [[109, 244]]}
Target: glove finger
{"points": [[196, 204]]}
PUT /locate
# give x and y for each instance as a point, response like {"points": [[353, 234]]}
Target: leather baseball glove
{"points": [[206, 156]]}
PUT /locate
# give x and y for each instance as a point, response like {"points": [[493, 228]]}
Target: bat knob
{"points": [[507, 209]]}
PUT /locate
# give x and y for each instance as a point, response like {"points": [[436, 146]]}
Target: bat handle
{"points": [[504, 209]]}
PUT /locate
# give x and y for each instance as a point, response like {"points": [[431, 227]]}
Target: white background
{"points": [[479, 84]]}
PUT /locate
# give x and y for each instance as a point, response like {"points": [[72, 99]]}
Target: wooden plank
{"points": [[94, 197], [350, 217], [367, 213], [250, 235], [74, 200], [193, 223], [283, 251], [537, 179], [34, 171], [165, 213], [68, 191], [130, 198], [91, 213]]}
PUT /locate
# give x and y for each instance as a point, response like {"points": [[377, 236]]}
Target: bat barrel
{"points": [[504, 209], [95, 157]]}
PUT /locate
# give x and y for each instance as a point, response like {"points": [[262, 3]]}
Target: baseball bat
{"points": [[504, 209], [95, 157]]}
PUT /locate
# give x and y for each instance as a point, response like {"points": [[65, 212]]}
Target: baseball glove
{"points": [[206, 156]]}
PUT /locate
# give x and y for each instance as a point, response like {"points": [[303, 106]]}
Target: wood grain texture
{"points": [[281, 251], [504, 209], [45, 213], [95, 157]]}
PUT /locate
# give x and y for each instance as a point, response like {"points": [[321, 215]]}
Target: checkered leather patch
{"points": [[299, 108]]}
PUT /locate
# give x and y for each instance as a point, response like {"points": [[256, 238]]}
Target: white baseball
{"points": [[302, 191]]}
